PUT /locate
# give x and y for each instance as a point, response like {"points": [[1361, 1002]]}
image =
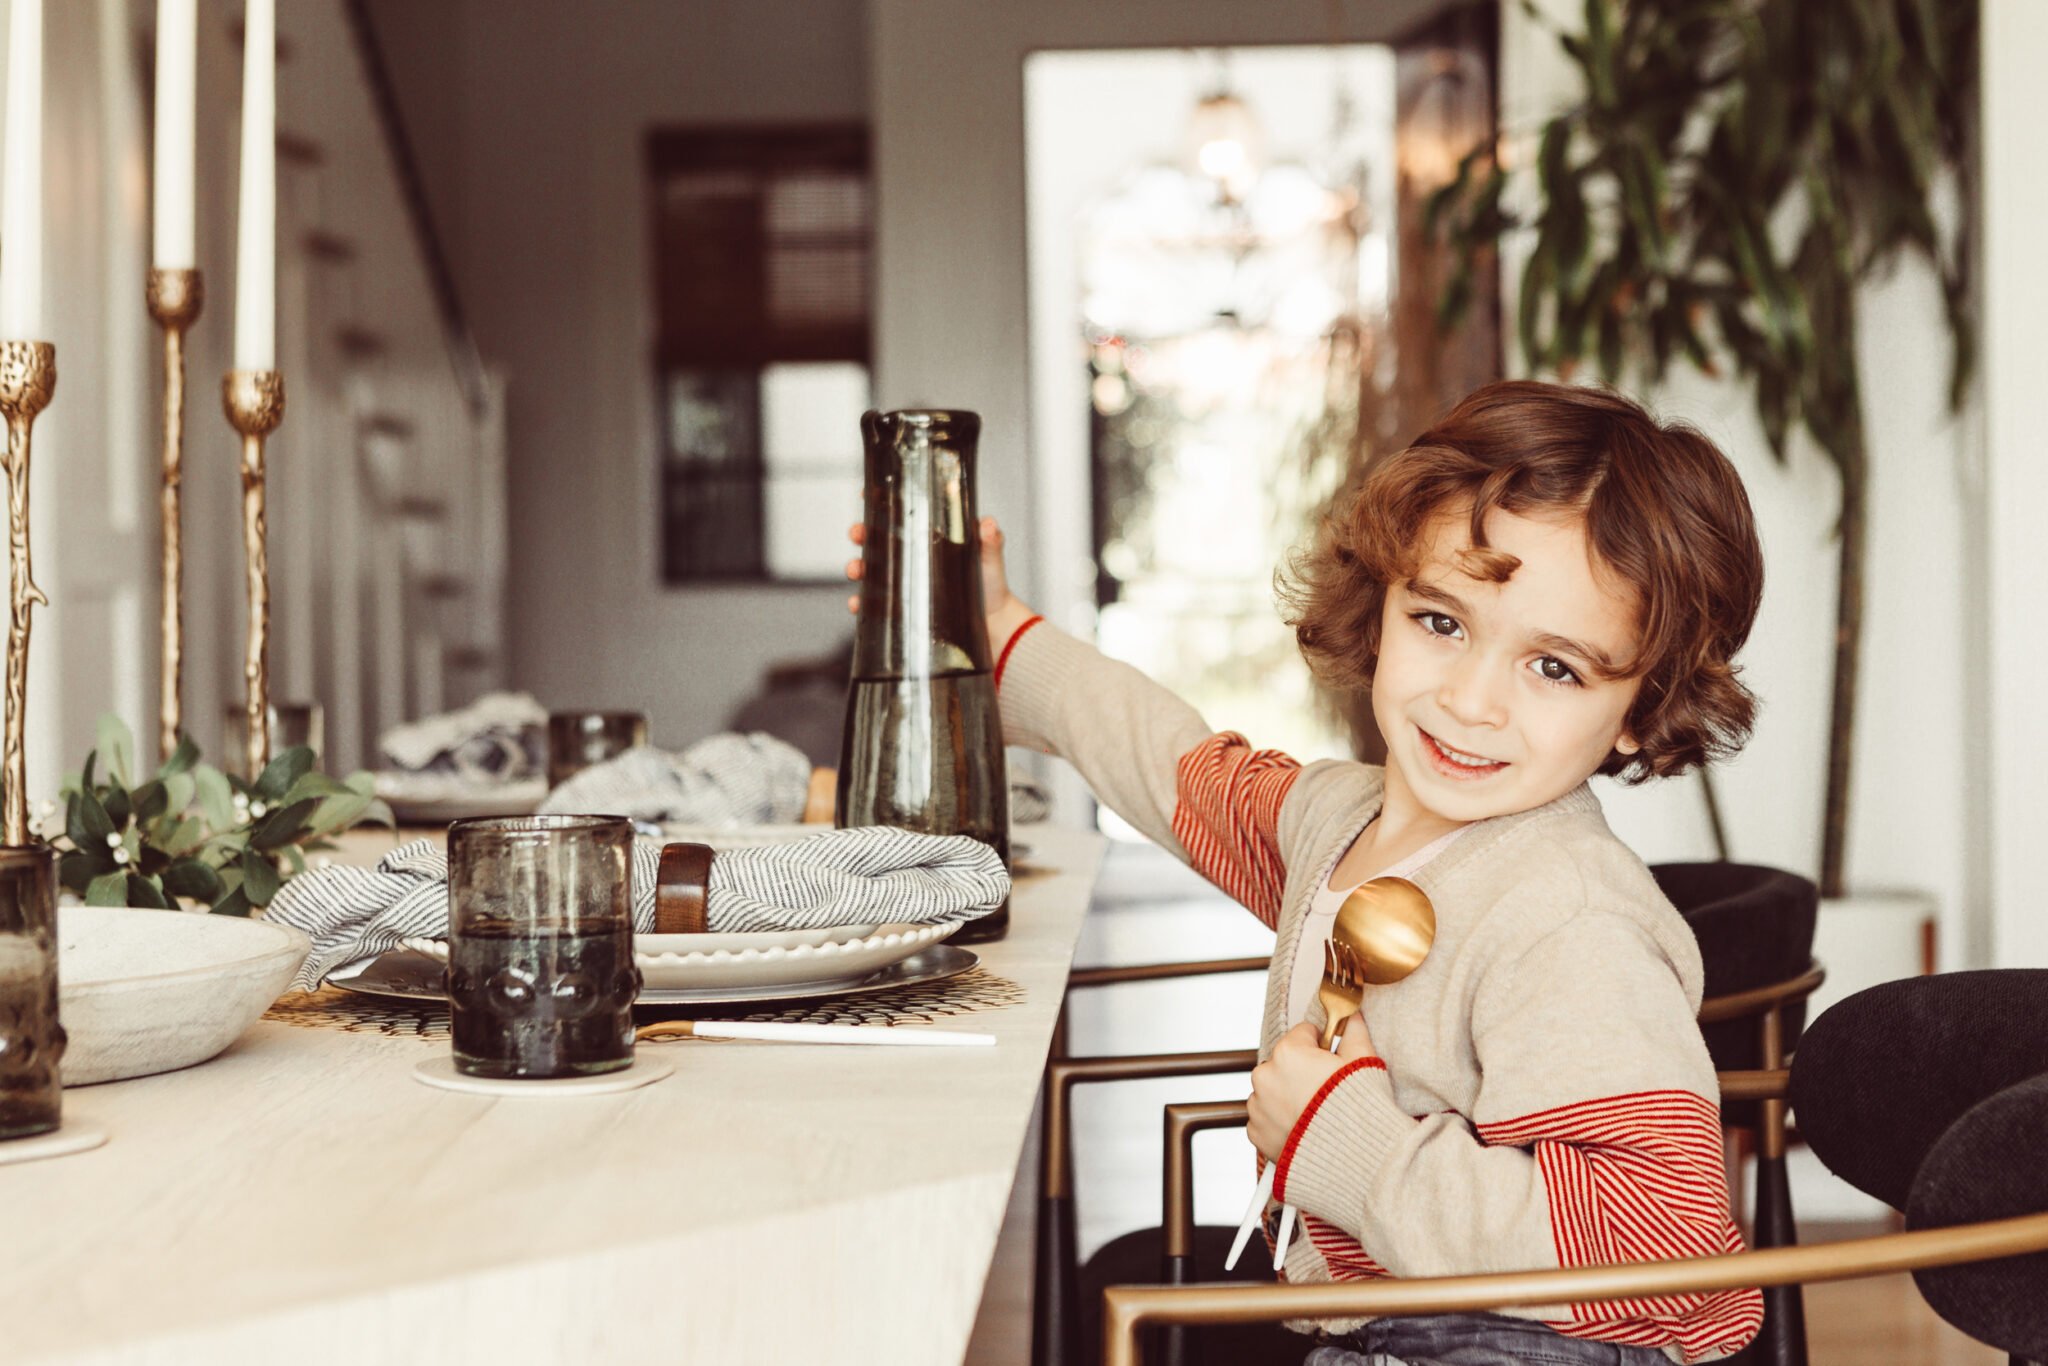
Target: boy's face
{"points": [[1487, 693]]}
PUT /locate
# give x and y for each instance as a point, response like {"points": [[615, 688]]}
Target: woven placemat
{"points": [[975, 990]]}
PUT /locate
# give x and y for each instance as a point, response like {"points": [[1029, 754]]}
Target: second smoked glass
{"points": [[923, 745]]}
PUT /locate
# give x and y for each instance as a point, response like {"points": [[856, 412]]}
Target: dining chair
{"points": [[1931, 1094], [1179, 1252], [1976, 1201], [1750, 921]]}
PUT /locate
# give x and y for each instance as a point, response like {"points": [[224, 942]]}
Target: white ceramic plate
{"points": [[438, 798], [738, 836], [149, 991], [684, 962], [408, 976]]}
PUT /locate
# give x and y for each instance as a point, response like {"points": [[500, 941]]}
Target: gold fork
{"points": [[1382, 933], [1341, 992]]}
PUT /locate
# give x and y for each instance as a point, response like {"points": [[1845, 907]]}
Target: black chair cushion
{"points": [[1881, 1076], [1134, 1259], [1755, 927], [1991, 1164]]}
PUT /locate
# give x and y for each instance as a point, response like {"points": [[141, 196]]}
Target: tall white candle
{"points": [[177, 59], [256, 224], [21, 180]]}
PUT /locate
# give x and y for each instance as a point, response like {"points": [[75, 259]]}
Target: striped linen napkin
{"points": [[726, 779], [867, 876]]}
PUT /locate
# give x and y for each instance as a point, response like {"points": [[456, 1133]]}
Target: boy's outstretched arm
{"points": [[1596, 1139], [1208, 798]]}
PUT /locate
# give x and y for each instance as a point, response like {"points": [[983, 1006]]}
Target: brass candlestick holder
{"points": [[175, 298], [28, 376], [254, 400]]}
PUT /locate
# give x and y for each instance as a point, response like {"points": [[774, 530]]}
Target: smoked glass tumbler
{"points": [[540, 945], [578, 739], [31, 1039]]}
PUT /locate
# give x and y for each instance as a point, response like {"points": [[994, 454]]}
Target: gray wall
{"points": [[529, 116]]}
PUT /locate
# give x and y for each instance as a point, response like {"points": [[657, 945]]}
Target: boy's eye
{"points": [[1553, 670], [1436, 623]]}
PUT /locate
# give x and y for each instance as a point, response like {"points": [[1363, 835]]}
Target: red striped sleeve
{"points": [[1226, 814], [1640, 1178]]}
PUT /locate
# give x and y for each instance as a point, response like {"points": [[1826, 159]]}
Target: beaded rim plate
{"points": [[415, 977], [777, 964]]}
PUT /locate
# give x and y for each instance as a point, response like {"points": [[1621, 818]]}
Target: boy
{"points": [[1547, 585]]}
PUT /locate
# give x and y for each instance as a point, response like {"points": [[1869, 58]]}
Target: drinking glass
{"points": [[31, 1039], [291, 723], [578, 739], [540, 945]]}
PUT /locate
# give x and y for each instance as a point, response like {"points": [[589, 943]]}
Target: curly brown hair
{"points": [[1662, 507]]}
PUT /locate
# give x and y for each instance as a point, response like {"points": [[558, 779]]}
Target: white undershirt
{"points": [[1322, 915]]}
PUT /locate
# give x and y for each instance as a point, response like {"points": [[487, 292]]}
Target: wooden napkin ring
{"points": [[681, 889]]}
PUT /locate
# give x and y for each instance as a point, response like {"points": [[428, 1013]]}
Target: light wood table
{"points": [[304, 1199]]}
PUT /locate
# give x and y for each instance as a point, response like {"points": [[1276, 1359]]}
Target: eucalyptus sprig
{"points": [[192, 833]]}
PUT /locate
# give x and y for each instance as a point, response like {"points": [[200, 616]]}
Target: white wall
{"points": [[95, 483], [537, 179], [1912, 777], [2011, 731]]}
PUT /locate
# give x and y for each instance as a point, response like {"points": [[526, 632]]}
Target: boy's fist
{"points": [[1283, 1084]]}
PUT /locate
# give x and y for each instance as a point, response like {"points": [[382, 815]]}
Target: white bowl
{"points": [[143, 991]]}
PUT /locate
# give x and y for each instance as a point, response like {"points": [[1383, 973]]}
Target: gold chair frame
{"points": [[1055, 1310], [1128, 1308]]}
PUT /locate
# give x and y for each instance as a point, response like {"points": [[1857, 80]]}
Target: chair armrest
{"points": [[1127, 1307], [1062, 1075], [1737, 1004], [1183, 1122], [1153, 972]]}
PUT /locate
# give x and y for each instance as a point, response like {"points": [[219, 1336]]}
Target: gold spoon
{"points": [[1383, 931]]}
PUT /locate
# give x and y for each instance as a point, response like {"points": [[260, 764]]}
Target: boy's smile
{"points": [[1498, 697]]}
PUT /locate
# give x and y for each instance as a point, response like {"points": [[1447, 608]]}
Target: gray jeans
{"points": [[1472, 1340]]}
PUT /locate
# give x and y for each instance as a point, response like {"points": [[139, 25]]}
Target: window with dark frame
{"points": [[761, 267]]}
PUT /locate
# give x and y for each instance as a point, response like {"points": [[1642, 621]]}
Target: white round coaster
{"points": [[75, 1137], [440, 1071]]}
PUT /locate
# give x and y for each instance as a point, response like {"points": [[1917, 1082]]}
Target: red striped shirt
{"points": [[1226, 814]]}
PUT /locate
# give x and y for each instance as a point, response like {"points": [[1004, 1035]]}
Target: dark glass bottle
{"points": [[923, 746]]}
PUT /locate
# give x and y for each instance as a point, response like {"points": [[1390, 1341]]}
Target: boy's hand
{"points": [[1005, 612], [1283, 1084]]}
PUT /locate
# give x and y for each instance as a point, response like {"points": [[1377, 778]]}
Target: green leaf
{"points": [[75, 871], [151, 800], [363, 781], [193, 880], [183, 837], [93, 824], [380, 814], [116, 803], [144, 892], [294, 856], [280, 773], [216, 798], [85, 783], [233, 903], [182, 758], [316, 784], [259, 878], [179, 790], [338, 813], [108, 889], [117, 743], [281, 826]]}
